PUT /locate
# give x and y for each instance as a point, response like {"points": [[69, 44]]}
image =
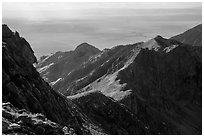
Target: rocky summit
{"points": [[55, 67]]}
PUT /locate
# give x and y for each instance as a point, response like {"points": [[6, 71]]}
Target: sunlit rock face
{"points": [[22, 122], [102, 70]]}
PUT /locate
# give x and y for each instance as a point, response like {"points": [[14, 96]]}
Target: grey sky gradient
{"points": [[51, 27]]}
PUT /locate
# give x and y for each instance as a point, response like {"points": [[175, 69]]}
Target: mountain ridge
{"points": [[192, 36], [54, 67], [152, 87]]}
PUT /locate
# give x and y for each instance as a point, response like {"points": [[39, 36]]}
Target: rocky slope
{"points": [[67, 72], [54, 68], [23, 87], [22, 122], [94, 68], [115, 118], [192, 36], [159, 81]]}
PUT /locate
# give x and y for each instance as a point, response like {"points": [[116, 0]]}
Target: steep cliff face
{"points": [[13, 42], [25, 89], [166, 88]]}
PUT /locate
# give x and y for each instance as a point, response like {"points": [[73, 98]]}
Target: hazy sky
{"points": [[52, 27]]}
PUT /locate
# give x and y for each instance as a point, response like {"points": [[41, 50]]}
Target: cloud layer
{"points": [[50, 27]]}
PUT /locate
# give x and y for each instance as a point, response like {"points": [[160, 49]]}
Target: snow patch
{"points": [[48, 56], [45, 68], [96, 57], [54, 82], [45, 78], [170, 48], [80, 79], [80, 94], [69, 73], [4, 44]]}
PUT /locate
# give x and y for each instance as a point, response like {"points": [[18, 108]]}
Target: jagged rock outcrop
{"points": [[23, 87], [192, 36], [22, 122]]}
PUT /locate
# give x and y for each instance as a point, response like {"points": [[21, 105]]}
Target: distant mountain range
{"points": [[152, 87]]}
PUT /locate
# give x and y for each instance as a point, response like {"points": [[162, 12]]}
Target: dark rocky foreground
{"points": [[25, 89], [22, 122]]}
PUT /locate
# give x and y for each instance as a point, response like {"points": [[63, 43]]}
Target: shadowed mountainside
{"points": [[160, 82], [166, 87], [192, 36]]}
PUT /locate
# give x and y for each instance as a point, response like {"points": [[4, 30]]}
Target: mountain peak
{"points": [[20, 53], [86, 47], [159, 38], [161, 44], [6, 32], [82, 45]]}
